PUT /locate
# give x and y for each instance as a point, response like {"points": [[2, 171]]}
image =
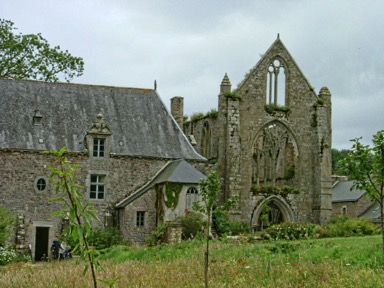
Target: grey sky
{"points": [[188, 46]]}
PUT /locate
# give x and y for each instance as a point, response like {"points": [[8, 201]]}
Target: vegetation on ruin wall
{"points": [[272, 108], [233, 96], [274, 190], [212, 114], [172, 192], [336, 262]]}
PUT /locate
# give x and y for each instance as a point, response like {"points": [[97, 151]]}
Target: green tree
{"points": [[337, 157], [31, 57], [366, 165], [80, 212], [210, 195], [7, 224]]}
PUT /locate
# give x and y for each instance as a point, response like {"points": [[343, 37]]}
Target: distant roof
{"points": [[140, 123], [341, 192], [178, 171], [373, 212]]}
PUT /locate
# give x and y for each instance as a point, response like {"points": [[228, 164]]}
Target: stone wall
{"points": [[353, 209], [21, 169]]}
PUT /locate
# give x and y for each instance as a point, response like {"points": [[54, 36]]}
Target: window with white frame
{"points": [[192, 196], [140, 218], [41, 184], [98, 147], [97, 187]]}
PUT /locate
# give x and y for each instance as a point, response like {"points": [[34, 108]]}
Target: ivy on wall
{"points": [[172, 191]]}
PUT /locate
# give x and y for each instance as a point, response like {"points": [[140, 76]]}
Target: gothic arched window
{"points": [[192, 196], [276, 83], [206, 140]]}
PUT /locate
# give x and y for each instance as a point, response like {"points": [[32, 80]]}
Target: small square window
{"points": [[97, 187], [140, 218], [98, 147]]}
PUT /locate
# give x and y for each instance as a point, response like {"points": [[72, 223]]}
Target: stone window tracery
{"points": [[274, 155], [276, 83]]}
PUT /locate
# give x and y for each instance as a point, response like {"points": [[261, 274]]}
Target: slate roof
{"points": [[140, 123], [373, 212], [178, 171], [341, 192]]}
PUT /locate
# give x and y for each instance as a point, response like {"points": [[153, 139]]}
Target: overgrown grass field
{"points": [[329, 262]]}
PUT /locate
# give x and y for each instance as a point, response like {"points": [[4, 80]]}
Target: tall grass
{"points": [[331, 262]]}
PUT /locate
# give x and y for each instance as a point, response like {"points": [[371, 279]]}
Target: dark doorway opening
{"points": [[41, 246]]}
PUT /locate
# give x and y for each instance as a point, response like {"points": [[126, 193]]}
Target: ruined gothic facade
{"points": [[270, 141]]}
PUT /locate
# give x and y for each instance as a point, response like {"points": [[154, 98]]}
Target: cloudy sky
{"points": [[188, 46]]}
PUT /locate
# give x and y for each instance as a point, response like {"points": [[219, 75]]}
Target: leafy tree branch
{"points": [[31, 57]]}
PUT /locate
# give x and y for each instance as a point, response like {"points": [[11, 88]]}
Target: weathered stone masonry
{"points": [[273, 129]]}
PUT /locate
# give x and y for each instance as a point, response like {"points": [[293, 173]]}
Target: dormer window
{"points": [[98, 147], [98, 139]]}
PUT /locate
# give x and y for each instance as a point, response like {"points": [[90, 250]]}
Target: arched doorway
{"points": [[272, 210]]}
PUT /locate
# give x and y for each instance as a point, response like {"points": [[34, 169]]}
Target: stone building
{"points": [[353, 203], [271, 142], [123, 139]]}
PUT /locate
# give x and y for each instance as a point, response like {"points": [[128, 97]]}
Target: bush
{"points": [[343, 226], [291, 231], [105, 237], [239, 227], [221, 222], [7, 224], [157, 236], [192, 224], [6, 256]]}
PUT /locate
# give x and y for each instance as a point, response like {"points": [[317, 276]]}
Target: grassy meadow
{"points": [[328, 262]]}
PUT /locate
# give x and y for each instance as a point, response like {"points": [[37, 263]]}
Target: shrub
{"points": [[192, 223], [233, 96], [343, 226], [239, 227], [212, 114], [6, 256], [221, 222], [224, 225], [157, 236], [291, 231], [105, 237], [197, 116], [7, 224]]}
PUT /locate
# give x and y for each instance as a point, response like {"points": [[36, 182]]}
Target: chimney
{"points": [[177, 110]]}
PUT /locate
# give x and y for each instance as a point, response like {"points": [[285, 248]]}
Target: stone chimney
{"points": [[177, 110]]}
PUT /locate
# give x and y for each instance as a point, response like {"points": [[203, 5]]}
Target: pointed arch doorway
{"points": [[272, 210]]}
